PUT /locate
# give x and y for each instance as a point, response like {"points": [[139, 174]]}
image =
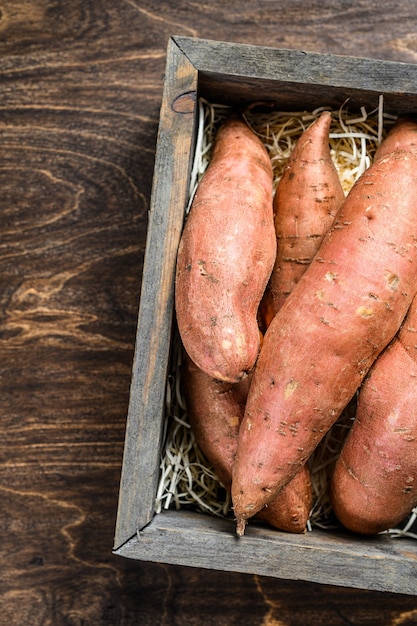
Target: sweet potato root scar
{"points": [[205, 273], [351, 472], [365, 312], [234, 421], [219, 376], [290, 388], [393, 280], [226, 344]]}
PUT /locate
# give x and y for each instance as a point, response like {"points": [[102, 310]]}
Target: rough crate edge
{"points": [[144, 425], [226, 70], [196, 540]]}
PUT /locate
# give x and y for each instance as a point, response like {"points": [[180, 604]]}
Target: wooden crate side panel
{"points": [[294, 79], [140, 471], [237, 91], [196, 540]]}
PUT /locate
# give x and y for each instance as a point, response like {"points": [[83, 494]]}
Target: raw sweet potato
{"points": [[345, 309], [306, 201], [374, 484], [226, 254], [401, 136], [290, 509], [215, 410]]}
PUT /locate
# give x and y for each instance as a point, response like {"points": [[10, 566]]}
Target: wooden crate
{"points": [[234, 74]]}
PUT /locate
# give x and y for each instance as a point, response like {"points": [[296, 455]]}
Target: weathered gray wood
{"points": [[140, 470], [193, 539], [296, 79]]}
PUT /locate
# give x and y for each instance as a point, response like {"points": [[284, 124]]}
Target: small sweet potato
{"points": [[215, 410], [374, 484], [306, 201], [345, 309], [226, 254]]}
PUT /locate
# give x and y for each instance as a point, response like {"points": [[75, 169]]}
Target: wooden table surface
{"points": [[80, 91]]}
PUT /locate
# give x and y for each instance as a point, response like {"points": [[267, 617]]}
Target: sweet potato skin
{"points": [[401, 136], [215, 410], [343, 312], [306, 201], [290, 509], [226, 254], [374, 484]]}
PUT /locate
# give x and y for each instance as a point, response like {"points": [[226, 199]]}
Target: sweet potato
{"points": [[306, 201], [401, 136], [374, 484], [345, 309], [226, 254], [290, 509], [215, 410]]}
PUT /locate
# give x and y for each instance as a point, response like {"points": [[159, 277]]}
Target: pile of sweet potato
{"points": [[288, 304]]}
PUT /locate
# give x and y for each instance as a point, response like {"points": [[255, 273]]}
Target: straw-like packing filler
{"points": [[186, 479]]}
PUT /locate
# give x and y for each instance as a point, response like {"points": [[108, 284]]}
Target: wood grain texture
{"points": [[192, 539], [80, 92], [166, 216]]}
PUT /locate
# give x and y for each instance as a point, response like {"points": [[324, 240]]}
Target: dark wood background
{"points": [[80, 90]]}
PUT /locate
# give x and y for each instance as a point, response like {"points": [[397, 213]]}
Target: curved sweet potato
{"points": [[215, 410], [374, 484], [345, 309], [306, 201], [226, 254]]}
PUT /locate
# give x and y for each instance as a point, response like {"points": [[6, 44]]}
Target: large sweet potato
{"points": [[226, 254], [374, 484], [215, 410], [306, 201], [345, 309]]}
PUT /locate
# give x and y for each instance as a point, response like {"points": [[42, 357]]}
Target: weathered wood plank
{"points": [[171, 177], [294, 79], [184, 538]]}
